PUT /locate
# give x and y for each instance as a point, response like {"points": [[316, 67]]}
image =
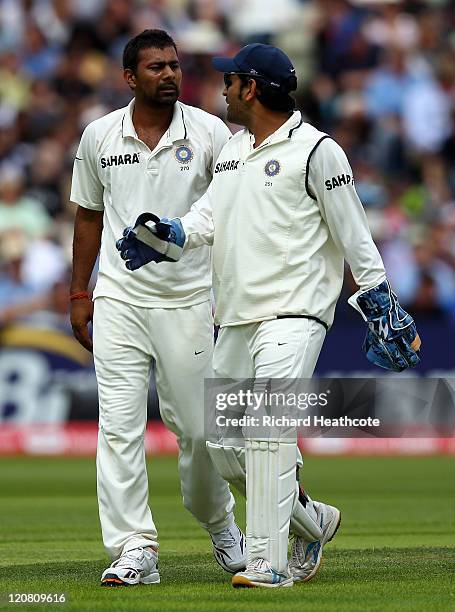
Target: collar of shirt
{"points": [[176, 131], [282, 133]]}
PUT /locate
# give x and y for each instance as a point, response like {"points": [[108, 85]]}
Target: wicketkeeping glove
{"points": [[161, 240], [391, 341]]}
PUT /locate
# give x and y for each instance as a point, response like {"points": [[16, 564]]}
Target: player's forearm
{"points": [[362, 255], [196, 231], [354, 240], [198, 223], [88, 227]]}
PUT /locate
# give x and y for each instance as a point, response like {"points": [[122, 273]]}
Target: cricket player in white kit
{"points": [[158, 152], [282, 215]]}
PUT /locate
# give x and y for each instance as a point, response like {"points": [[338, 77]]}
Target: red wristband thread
{"points": [[81, 295]]}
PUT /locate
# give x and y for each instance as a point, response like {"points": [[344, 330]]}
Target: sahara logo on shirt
{"points": [[338, 181], [119, 160], [183, 154], [232, 164]]}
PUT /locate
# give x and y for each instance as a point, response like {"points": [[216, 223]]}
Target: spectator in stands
{"points": [[17, 210]]}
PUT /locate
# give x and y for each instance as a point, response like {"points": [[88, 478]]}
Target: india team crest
{"points": [[183, 154], [272, 167]]}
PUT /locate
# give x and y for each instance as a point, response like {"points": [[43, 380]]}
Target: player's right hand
{"points": [[81, 315], [135, 253], [142, 244]]}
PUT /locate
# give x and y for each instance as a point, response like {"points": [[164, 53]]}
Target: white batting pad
{"points": [[304, 520], [271, 491], [229, 462]]}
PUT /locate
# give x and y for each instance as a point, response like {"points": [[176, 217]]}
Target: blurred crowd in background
{"points": [[377, 76]]}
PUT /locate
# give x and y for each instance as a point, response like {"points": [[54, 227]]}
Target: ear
{"points": [[130, 78], [251, 90]]}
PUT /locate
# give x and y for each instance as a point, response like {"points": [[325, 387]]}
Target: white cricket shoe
{"points": [[259, 573], [306, 556], [136, 566], [229, 549]]}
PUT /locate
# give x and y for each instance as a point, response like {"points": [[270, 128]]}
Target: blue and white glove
{"points": [[392, 341], [161, 240]]}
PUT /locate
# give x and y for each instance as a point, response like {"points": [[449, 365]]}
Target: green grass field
{"points": [[395, 549]]}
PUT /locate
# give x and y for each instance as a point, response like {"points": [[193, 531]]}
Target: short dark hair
{"points": [[156, 39], [274, 99]]}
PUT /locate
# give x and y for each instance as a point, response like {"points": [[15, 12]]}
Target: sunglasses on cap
{"points": [[228, 80]]}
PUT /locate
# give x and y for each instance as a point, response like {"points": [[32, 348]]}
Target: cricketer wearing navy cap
{"points": [[264, 61]]}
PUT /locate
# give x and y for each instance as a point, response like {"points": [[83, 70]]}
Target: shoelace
{"points": [[126, 559], [259, 565], [298, 551], [224, 539]]}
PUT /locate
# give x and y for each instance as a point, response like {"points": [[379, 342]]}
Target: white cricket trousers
{"points": [[279, 349], [125, 339]]}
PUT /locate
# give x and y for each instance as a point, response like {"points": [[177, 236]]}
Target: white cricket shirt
{"points": [[115, 172], [282, 218]]}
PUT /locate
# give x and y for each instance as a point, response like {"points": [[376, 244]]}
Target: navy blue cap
{"points": [[260, 60]]}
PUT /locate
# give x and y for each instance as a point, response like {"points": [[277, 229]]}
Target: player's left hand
{"points": [[163, 240], [392, 341]]}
